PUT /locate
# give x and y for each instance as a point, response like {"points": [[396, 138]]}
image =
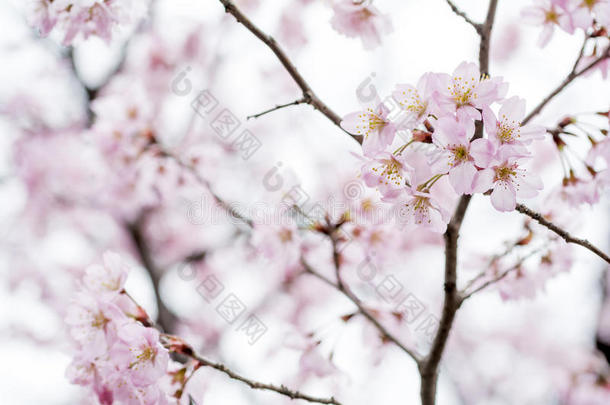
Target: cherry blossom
{"points": [[507, 177], [418, 101], [84, 17], [118, 358], [548, 13], [386, 172], [465, 91], [426, 200], [507, 129], [373, 124], [359, 18], [453, 138]]}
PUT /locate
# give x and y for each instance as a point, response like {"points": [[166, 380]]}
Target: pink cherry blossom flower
{"points": [[548, 13], [84, 17], [358, 18], [42, 16], [427, 200], [374, 126], [386, 172], [506, 177], [507, 129], [453, 138], [585, 11], [83, 371], [93, 322], [418, 102], [142, 354], [465, 91], [109, 278]]}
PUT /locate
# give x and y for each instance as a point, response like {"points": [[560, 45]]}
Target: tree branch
{"points": [[221, 202], [569, 79], [465, 295], [278, 107], [562, 233], [281, 389], [478, 27], [428, 368], [166, 318], [343, 289], [308, 94]]}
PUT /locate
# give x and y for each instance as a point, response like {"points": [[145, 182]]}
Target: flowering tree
{"points": [[151, 172]]}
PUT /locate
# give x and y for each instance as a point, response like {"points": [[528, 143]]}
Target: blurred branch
{"points": [[561, 232], [308, 95], [166, 319], [428, 367], [456, 10], [221, 202], [92, 92], [569, 79], [178, 346], [465, 295], [344, 289]]}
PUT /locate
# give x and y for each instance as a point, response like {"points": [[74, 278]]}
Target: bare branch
{"points": [[278, 107], [465, 295], [343, 289], [569, 79], [564, 234], [281, 389], [308, 94], [485, 34], [478, 27], [221, 202]]}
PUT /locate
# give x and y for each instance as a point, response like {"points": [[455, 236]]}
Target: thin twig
{"points": [[281, 389], [478, 27], [342, 288], [310, 97], [465, 295], [492, 260], [561, 232], [278, 107], [569, 79], [220, 201]]}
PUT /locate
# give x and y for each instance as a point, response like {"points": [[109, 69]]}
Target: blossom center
{"points": [[505, 173], [99, 321], [460, 154], [391, 173], [463, 90]]}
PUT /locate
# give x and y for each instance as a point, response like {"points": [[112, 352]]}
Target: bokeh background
{"points": [[510, 342]]}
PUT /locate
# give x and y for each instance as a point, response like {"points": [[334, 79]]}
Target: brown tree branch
{"points": [[281, 389], [478, 27], [428, 367], [569, 79], [166, 318], [343, 289], [561, 232], [465, 294], [278, 107], [217, 199], [308, 94]]}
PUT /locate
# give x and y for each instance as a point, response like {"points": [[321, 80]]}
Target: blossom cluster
{"points": [[443, 110], [568, 15], [118, 358], [84, 17]]}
